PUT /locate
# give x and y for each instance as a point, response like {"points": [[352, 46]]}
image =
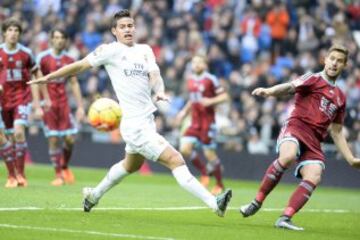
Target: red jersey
{"points": [[48, 62], [16, 67], [318, 103], [205, 85]]}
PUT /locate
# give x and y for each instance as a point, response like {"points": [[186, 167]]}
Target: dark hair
{"points": [[339, 48], [62, 31], [11, 22], [120, 14]]}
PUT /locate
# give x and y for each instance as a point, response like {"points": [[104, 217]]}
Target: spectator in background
{"points": [[278, 20]]}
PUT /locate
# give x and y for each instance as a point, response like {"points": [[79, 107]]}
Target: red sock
{"points": [[55, 158], [218, 173], [20, 151], [7, 153], [299, 198], [67, 152], [271, 178], [198, 164]]}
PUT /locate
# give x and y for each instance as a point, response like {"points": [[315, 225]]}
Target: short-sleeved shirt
{"points": [[128, 68], [318, 103], [48, 62], [16, 67]]}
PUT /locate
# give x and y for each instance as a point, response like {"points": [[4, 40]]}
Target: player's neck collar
{"points": [[199, 76], [52, 52], [123, 44], [17, 47], [327, 79]]}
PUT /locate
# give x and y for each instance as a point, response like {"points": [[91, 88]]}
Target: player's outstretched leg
{"points": [[271, 178], [174, 161], [286, 223], [117, 172], [92, 195]]}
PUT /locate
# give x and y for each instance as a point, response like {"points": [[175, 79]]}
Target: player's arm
{"points": [[66, 71], [35, 92], [219, 98], [43, 89], [157, 85], [183, 113], [341, 144], [75, 87], [275, 91]]}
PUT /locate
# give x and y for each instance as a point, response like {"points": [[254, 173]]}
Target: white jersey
{"points": [[128, 69]]}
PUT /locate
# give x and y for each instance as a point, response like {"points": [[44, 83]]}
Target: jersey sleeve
{"points": [[100, 56], [304, 83], [216, 84], [151, 60]]}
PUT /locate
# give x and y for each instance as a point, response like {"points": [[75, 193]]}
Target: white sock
{"points": [[192, 185], [116, 173]]}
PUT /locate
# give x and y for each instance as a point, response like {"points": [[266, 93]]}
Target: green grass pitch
{"points": [[155, 207]]}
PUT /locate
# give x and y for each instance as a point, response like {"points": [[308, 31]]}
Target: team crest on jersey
{"points": [[145, 58], [123, 58], [331, 91], [11, 59], [18, 64]]}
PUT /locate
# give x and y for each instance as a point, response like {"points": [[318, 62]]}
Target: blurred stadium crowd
{"points": [[249, 43]]}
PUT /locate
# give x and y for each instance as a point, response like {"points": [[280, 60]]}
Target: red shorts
{"points": [[309, 144], [59, 122], [203, 134], [309, 147], [15, 116]]}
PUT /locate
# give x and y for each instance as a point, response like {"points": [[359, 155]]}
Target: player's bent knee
{"points": [[175, 160], [287, 160], [314, 178]]}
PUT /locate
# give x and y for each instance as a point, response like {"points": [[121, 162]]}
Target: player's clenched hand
{"points": [[41, 80], [161, 96], [263, 92]]}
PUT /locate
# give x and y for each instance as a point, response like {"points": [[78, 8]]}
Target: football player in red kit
{"points": [[59, 124], [17, 65], [205, 92], [319, 106]]}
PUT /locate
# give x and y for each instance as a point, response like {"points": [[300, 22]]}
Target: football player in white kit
{"points": [[134, 74]]}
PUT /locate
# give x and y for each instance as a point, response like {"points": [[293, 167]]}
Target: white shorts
{"points": [[141, 137]]}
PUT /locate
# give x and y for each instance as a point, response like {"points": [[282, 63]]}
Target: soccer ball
{"points": [[104, 114]]}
